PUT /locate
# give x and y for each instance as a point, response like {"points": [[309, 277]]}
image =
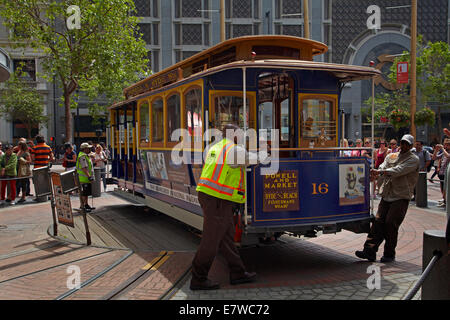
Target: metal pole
{"points": [[437, 255], [222, 20], [373, 134], [83, 211], [413, 64], [306, 18], [53, 205], [244, 84]]}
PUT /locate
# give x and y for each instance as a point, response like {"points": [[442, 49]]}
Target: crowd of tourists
{"points": [[17, 161]]}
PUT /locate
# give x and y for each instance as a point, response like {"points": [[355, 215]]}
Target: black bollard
{"points": [[421, 191]]}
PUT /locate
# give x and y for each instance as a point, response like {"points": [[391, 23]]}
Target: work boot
{"points": [[204, 285], [246, 278], [386, 259], [371, 256]]}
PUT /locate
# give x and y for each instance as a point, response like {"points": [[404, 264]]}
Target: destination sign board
{"points": [[280, 191], [152, 83]]}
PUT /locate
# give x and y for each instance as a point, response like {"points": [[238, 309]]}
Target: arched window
{"points": [[157, 137], [173, 116], [144, 124], [193, 113]]}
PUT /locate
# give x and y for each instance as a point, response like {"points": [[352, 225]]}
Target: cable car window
{"points": [[230, 109], [275, 106], [157, 120], [173, 115], [144, 123], [193, 110], [318, 123]]}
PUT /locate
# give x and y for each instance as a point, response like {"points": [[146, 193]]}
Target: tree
{"points": [[433, 74], [19, 100], [101, 56]]}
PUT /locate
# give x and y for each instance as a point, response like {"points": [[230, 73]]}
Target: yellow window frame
{"points": [[328, 97]]}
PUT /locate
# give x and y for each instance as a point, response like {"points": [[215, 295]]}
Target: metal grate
{"points": [[190, 8], [142, 8], [240, 30], [291, 7], [292, 30], [242, 8], [192, 34], [145, 29], [187, 54]]}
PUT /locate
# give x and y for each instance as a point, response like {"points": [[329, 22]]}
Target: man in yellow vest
{"points": [[85, 171], [220, 188]]}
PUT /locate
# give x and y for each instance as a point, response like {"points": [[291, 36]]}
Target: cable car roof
{"points": [[345, 73]]}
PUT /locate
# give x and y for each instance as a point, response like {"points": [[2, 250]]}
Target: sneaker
{"points": [[87, 210], [441, 205], [12, 203], [21, 200], [366, 255], [2, 202], [387, 259], [441, 201], [89, 207]]}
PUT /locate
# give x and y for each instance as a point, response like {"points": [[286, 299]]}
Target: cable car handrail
{"points": [[322, 149]]}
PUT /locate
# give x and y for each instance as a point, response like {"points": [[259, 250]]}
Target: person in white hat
{"points": [[399, 173], [85, 171]]}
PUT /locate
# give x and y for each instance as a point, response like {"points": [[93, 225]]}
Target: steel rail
{"points": [[56, 266], [98, 275], [436, 256]]}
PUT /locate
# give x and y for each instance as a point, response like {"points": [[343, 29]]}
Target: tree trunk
{"points": [[68, 117], [29, 132]]}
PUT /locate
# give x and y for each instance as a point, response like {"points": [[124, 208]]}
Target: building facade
{"points": [[176, 29], [11, 131]]}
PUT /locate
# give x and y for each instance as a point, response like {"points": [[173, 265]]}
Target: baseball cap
{"points": [[85, 145], [408, 138]]}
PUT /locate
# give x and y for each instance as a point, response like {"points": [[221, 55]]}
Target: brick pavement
{"points": [[319, 268], [325, 267]]}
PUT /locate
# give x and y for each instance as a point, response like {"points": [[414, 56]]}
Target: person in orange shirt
{"points": [[42, 154]]}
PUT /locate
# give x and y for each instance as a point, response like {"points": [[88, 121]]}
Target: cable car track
{"points": [[139, 277], [56, 266]]}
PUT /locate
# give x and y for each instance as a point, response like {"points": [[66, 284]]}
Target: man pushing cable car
{"points": [[220, 188]]}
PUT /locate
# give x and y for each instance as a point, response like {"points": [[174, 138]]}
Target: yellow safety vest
{"points": [[220, 180], [81, 175]]}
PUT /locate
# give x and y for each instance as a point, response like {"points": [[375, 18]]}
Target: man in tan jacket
{"points": [[399, 173]]}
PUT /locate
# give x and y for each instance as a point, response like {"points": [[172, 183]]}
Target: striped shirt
{"points": [[42, 153]]}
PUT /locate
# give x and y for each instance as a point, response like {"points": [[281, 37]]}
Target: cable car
{"points": [[271, 85]]}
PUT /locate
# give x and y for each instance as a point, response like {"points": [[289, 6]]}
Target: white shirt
{"points": [[100, 156]]}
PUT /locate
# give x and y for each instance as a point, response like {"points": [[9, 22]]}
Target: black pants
{"points": [[217, 237], [390, 216], [23, 185]]}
